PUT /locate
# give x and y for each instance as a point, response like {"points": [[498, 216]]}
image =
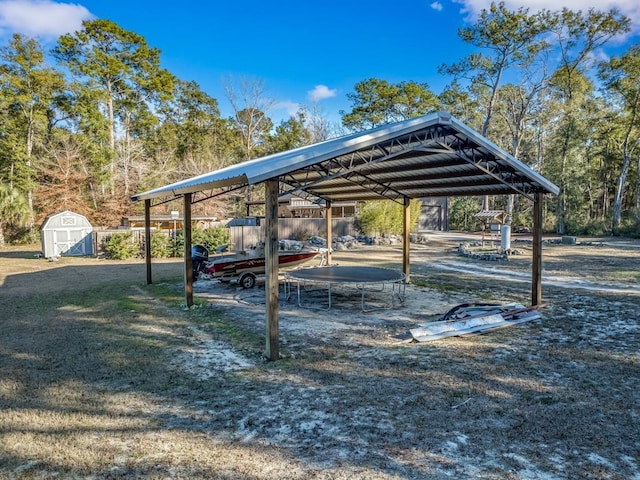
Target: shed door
{"points": [[68, 242]]}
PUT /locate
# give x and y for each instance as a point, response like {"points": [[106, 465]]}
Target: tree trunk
{"points": [[561, 209], [492, 99], [508, 210], [486, 201], [619, 194], [637, 193], [30, 136], [605, 195], [621, 183], [126, 155], [112, 137], [515, 144]]}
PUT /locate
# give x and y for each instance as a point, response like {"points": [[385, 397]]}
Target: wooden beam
{"points": [[329, 230], [188, 267], [405, 239], [147, 238], [536, 272], [271, 269]]}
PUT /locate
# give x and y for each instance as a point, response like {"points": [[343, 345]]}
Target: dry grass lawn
{"points": [[102, 376]]}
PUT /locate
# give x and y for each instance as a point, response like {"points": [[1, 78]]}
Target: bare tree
{"points": [[250, 108], [319, 126]]}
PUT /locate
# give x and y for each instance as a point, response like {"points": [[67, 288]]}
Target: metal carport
{"points": [[434, 155]]}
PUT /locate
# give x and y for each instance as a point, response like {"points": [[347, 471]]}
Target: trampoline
{"points": [[359, 277]]}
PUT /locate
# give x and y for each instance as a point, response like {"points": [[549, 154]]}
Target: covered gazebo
{"points": [[430, 156]]}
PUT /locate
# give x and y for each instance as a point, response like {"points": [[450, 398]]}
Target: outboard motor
{"points": [[199, 256]]}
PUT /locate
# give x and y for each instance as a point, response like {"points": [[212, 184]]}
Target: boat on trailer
{"points": [[246, 266]]}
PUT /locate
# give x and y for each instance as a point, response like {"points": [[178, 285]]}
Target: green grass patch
{"points": [[213, 320], [626, 276], [169, 293], [208, 318], [438, 284], [126, 303]]}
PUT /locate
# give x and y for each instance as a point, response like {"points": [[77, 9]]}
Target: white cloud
{"points": [[321, 92], [41, 18], [630, 8], [290, 107], [436, 6]]}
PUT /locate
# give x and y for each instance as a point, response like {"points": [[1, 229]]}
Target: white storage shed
{"points": [[66, 234]]}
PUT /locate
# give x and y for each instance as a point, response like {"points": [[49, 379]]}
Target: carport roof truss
{"points": [[433, 155], [430, 156]]}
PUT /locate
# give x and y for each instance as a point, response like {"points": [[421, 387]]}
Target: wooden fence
{"points": [[246, 236], [243, 237], [100, 236]]}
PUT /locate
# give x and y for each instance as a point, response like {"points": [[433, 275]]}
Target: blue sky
{"points": [[304, 52]]}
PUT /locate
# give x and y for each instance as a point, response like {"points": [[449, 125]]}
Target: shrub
{"points": [[385, 217], [549, 222], [630, 226], [14, 210], [212, 237], [597, 227], [121, 246], [462, 211], [301, 234], [21, 235], [177, 244], [161, 245]]}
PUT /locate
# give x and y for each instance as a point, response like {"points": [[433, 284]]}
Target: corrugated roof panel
{"points": [[272, 166], [429, 149]]}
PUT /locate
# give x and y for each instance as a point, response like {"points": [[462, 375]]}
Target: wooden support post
{"points": [[536, 273], [406, 246], [147, 238], [329, 230], [188, 267], [271, 268]]}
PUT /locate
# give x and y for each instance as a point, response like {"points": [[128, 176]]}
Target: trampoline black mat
{"points": [[358, 277], [347, 274]]}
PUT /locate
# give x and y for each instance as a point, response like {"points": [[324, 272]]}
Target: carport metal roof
{"points": [[430, 156], [433, 155]]}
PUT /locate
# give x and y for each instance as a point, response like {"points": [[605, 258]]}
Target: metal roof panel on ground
{"points": [[431, 155]]}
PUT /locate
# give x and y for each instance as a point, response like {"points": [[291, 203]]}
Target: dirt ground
{"points": [[352, 396]]}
